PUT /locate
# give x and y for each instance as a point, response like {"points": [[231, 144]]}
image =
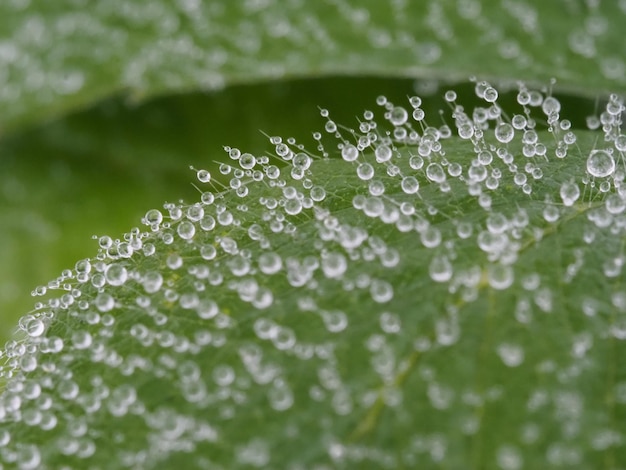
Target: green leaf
{"points": [[326, 311], [95, 172], [62, 56]]}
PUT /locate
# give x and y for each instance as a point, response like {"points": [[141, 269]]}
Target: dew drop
{"points": [[349, 153], [365, 171], [390, 323], [381, 291], [600, 163], [335, 320], [435, 173], [504, 132], [318, 193], [186, 230], [247, 161], [293, 206], [551, 106], [500, 276], [301, 161], [497, 223], [511, 354], [615, 204], [81, 339], [383, 153], [490, 95], [270, 263], [334, 265], [116, 274], [203, 176], [416, 162], [398, 116], [153, 217], [570, 192], [35, 328], [104, 302], [418, 114], [410, 185], [440, 269], [152, 282]]}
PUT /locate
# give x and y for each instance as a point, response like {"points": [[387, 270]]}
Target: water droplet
{"points": [[497, 223], [223, 375], [270, 263], [81, 339], [570, 192], [349, 153], [600, 163], [511, 354], [435, 173], [504, 132], [152, 282], [104, 302], [186, 230], [551, 106], [334, 265], [383, 153], [35, 327], [398, 116], [365, 171], [203, 176], [207, 309], [450, 96], [280, 396], [330, 126], [153, 217], [500, 276], [410, 185], [116, 274], [615, 204], [247, 161], [335, 320], [431, 237], [440, 269], [381, 291], [301, 161], [509, 458], [390, 322]]}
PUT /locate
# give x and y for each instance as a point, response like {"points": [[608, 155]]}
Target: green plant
{"points": [[430, 290]]}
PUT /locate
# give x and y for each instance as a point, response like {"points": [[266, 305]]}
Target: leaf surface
{"points": [[325, 310], [62, 56]]}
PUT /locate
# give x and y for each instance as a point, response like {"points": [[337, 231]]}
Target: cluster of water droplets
{"points": [[401, 272]]}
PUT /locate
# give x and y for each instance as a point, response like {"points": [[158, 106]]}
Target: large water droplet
{"points": [[153, 217], [349, 153], [186, 230], [410, 185], [600, 163], [504, 132], [116, 274], [35, 328], [435, 173]]}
